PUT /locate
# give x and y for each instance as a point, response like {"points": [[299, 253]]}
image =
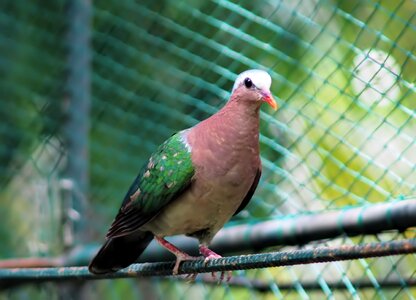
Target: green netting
{"points": [[344, 135]]}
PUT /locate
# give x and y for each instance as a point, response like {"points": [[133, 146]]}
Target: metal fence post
{"points": [[77, 108], [76, 132]]}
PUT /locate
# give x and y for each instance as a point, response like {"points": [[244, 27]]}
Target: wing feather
{"points": [[167, 174], [250, 192]]}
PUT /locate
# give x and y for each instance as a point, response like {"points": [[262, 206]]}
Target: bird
{"points": [[194, 182]]}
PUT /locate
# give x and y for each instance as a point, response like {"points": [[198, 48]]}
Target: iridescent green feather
{"points": [[167, 173]]}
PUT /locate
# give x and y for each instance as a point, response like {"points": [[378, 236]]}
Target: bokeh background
{"points": [[88, 90]]}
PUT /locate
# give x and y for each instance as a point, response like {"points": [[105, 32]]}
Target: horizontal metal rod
{"points": [[298, 230], [252, 237], [303, 229], [265, 260]]}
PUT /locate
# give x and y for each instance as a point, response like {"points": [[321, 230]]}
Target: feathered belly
{"points": [[204, 207]]}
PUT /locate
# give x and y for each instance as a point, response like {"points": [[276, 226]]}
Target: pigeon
{"points": [[194, 182]]}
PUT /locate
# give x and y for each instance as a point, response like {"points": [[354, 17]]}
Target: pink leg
{"points": [[180, 255], [209, 254]]}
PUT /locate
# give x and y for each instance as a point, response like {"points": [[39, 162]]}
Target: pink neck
{"points": [[234, 127]]}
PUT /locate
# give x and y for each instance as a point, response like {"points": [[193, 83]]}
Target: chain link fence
{"points": [[89, 90]]}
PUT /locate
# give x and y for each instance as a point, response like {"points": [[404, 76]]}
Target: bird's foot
{"points": [[209, 254], [180, 256], [190, 278]]}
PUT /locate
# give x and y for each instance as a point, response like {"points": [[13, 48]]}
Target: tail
{"points": [[119, 252]]}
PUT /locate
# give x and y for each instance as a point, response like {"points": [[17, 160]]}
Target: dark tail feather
{"points": [[120, 252]]}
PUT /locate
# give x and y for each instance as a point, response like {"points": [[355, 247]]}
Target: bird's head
{"points": [[254, 85]]}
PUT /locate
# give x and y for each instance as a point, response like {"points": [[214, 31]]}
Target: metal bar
{"points": [[77, 110], [369, 219], [243, 262], [272, 232], [76, 128], [299, 230]]}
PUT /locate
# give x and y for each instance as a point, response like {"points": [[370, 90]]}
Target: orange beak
{"points": [[268, 98]]}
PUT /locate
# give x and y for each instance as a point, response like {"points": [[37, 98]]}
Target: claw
{"points": [[180, 255], [209, 254], [222, 276], [180, 258], [190, 278]]}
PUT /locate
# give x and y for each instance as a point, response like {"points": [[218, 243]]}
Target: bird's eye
{"points": [[248, 83]]}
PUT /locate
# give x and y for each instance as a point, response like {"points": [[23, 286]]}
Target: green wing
{"points": [[167, 174]]}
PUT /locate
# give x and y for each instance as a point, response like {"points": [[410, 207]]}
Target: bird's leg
{"points": [[180, 255], [209, 254]]}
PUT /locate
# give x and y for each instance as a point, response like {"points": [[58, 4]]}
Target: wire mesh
{"points": [[343, 137]]}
